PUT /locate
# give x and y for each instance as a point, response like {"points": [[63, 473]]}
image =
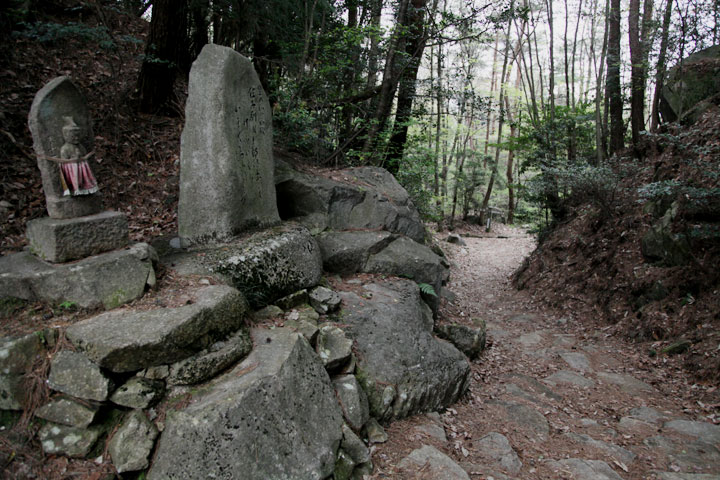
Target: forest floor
{"points": [[557, 387]]}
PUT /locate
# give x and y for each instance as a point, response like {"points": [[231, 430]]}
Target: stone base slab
{"points": [[62, 240], [73, 206], [106, 280]]}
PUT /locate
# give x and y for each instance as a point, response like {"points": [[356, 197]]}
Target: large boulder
{"points": [[126, 341], [688, 84], [402, 367], [17, 356], [348, 252], [274, 416], [264, 266], [366, 198], [107, 280]]}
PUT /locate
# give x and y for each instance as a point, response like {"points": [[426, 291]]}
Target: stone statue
{"points": [[76, 176]]}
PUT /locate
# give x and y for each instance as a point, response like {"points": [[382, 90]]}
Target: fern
{"points": [[427, 289]]}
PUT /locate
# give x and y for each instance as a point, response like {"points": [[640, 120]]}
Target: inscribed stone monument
{"points": [[226, 169]]}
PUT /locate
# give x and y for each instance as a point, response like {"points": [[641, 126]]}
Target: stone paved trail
{"points": [[550, 398]]}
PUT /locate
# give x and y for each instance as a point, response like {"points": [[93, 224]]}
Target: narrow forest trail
{"points": [[551, 398]]}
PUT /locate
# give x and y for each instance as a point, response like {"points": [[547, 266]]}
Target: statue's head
{"points": [[71, 131]]}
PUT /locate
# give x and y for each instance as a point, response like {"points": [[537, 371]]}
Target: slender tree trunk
{"points": [[489, 120], [374, 51], [346, 113], [614, 92], [660, 75], [163, 53], [600, 131], [511, 152], [637, 81]]}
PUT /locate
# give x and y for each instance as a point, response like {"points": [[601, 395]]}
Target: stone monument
{"points": [[226, 162], [63, 141]]}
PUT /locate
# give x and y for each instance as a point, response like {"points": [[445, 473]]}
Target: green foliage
{"points": [[50, 32], [416, 169], [68, 305], [427, 289]]}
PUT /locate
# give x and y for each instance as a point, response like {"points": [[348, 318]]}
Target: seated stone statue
{"points": [[76, 176]]}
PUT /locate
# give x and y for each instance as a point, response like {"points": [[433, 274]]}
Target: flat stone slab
{"points": [[107, 280], [626, 383], [402, 367], [697, 456], [17, 356], [348, 252], [132, 444], [62, 240], [431, 462], [704, 431], [432, 430], [576, 360], [530, 339], [582, 469], [353, 401], [566, 376], [126, 341], [496, 448], [614, 451], [74, 374], [648, 414], [66, 411], [527, 418], [275, 415], [71, 441]]}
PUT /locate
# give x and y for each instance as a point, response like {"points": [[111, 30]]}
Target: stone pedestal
{"points": [[57, 241]]}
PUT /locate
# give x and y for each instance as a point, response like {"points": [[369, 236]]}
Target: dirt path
{"points": [[551, 398]]}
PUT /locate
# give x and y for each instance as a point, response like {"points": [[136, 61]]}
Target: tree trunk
{"points": [[637, 81], [613, 90], [163, 53], [660, 75]]}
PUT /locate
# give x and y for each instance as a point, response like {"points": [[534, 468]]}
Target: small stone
{"points": [[632, 425], [353, 401], [647, 414], [71, 441], [432, 430], [365, 470], [293, 300], [616, 452], [344, 466], [307, 329], [687, 455], [333, 347], [496, 448], [528, 418], [159, 372], [470, 341], [324, 300], [582, 469], [267, 313], [349, 367], [576, 360], [455, 239], [308, 314], [73, 373], [375, 432], [139, 392], [354, 447], [68, 412], [16, 359], [565, 376], [626, 383], [132, 444], [433, 463]]}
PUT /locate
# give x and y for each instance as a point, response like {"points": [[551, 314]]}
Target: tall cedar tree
{"points": [[164, 52], [613, 90]]}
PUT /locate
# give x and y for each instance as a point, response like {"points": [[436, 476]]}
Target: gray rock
{"points": [[273, 416], [66, 411], [324, 300], [614, 451], [687, 455], [17, 356], [353, 401], [132, 444], [576, 360], [660, 243], [369, 198], [333, 347], [375, 432], [565, 376], [527, 418], [308, 330], [626, 383], [530, 339], [305, 313], [62, 240], [632, 425], [139, 392], [582, 469], [496, 448], [354, 446], [226, 163], [58, 99], [701, 430], [107, 280], [344, 466], [73, 373], [268, 313], [159, 372], [402, 367], [648, 414], [470, 341], [432, 462], [432, 430], [71, 441], [348, 252], [456, 239], [211, 361], [407, 258], [363, 471], [264, 266], [293, 300], [125, 341]]}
